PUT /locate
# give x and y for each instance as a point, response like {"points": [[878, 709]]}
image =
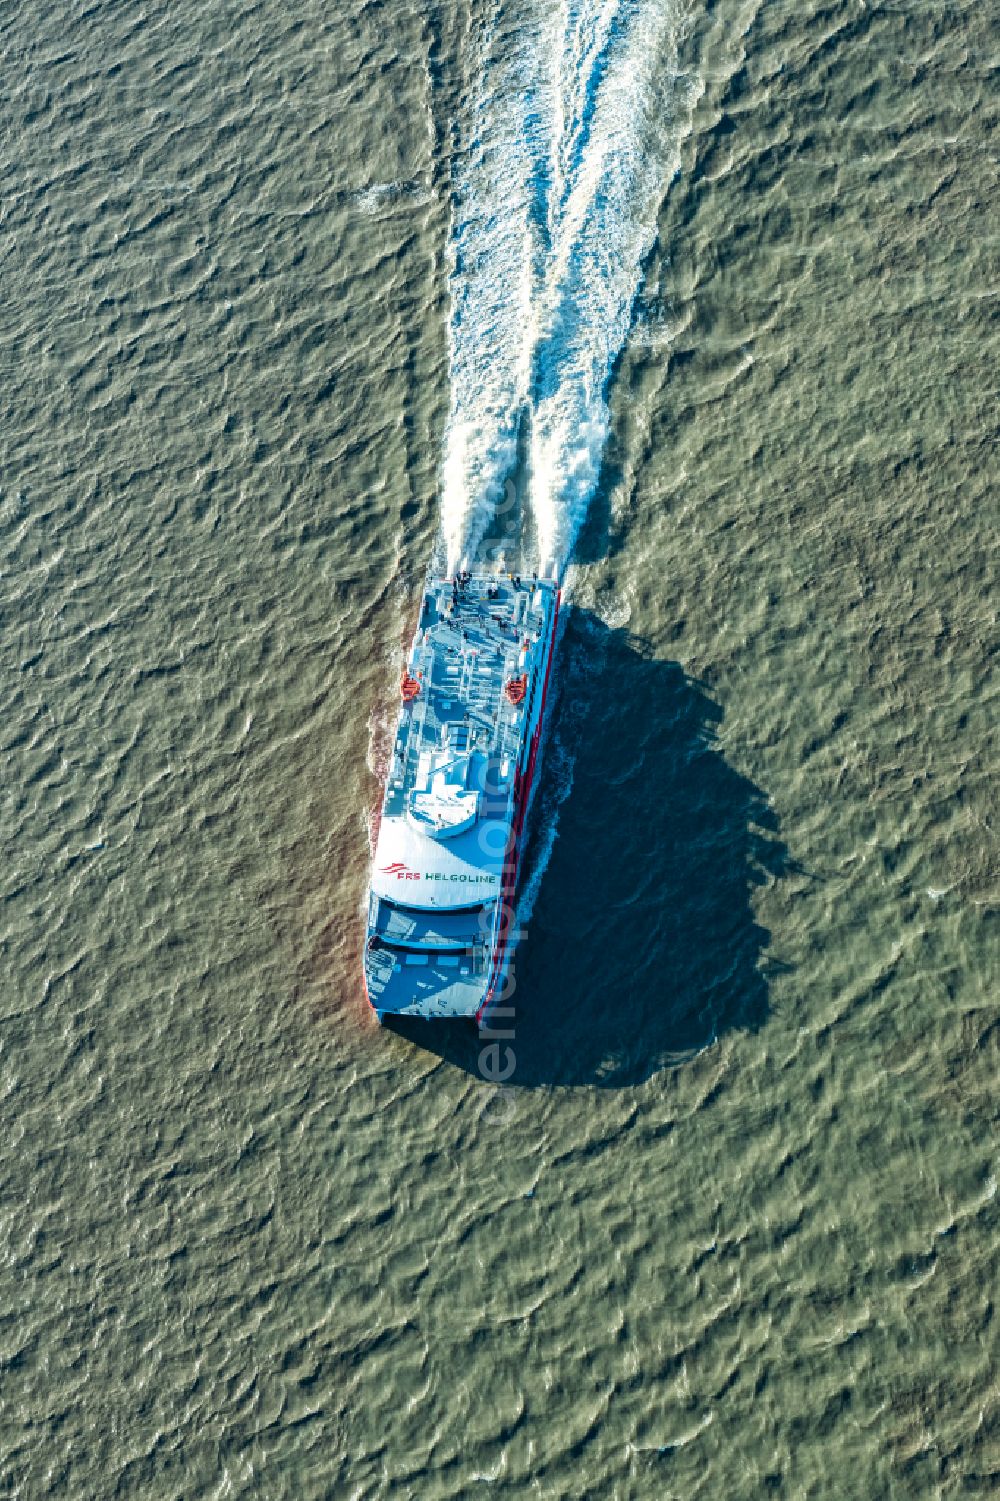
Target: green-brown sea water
{"points": [[731, 1228]]}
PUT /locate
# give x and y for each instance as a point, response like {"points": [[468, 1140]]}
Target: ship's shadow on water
{"points": [[643, 946]]}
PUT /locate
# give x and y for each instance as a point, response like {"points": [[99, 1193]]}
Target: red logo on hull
{"points": [[399, 869]]}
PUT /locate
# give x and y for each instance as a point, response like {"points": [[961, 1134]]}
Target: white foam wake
{"points": [[555, 213], [494, 249]]}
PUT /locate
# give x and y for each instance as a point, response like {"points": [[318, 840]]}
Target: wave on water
{"points": [[555, 209]]}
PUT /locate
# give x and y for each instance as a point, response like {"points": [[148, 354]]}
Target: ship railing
{"points": [[414, 946], [415, 733]]}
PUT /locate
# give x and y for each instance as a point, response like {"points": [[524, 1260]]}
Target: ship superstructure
{"points": [[459, 784]]}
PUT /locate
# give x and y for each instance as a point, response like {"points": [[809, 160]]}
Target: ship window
{"points": [[424, 912]]}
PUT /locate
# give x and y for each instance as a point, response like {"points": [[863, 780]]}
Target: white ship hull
{"points": [[463, 769]]}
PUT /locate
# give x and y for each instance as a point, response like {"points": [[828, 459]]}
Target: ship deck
{"points": [[425, 984], [469, 639]]}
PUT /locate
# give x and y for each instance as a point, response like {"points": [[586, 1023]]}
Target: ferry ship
{"points": [[463, 767]]}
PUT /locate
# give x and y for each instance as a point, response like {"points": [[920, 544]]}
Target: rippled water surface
{"points": [[731, 1229]]}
